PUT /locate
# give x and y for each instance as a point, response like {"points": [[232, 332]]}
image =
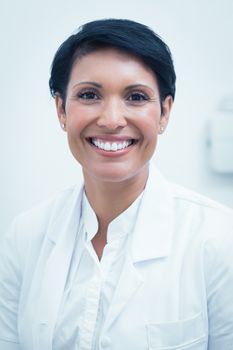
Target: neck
{"points": [[110, 199]]}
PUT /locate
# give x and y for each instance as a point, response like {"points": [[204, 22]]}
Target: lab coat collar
{"points": [[152, 236], [66, 214]]}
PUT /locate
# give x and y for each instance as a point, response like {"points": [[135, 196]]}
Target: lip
{"points": [[111, 139]]}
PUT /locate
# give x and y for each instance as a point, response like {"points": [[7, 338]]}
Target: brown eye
{"points": [[137, 97], [88, 95]]}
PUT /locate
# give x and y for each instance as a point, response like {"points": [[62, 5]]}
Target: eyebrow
{"points": [[88, 83], [132, 86]]}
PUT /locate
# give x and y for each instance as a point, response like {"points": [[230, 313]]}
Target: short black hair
{"points": [[126, 35]]}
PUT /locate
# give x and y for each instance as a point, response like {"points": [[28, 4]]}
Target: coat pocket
{"points": [[188, 334]]}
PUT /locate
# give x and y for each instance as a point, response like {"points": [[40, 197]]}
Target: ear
{"points": [[167, 106], [60, 111]]}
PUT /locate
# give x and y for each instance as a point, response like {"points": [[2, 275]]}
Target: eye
{"points": [[88, 96], [138, 97]]}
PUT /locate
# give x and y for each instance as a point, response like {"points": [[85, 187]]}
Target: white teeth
{"points": [[111, 146], [114, 146], [107, 146]]}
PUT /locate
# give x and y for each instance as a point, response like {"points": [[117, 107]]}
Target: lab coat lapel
{"points": [[129, 283], [151, 239], [62, 233]]}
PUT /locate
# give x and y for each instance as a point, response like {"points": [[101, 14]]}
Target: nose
{"points": [[112, 116]]}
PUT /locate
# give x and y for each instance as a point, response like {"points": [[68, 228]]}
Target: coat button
{"points": [[106, 342]]}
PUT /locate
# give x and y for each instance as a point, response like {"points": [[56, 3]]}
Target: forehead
{"points": [[109, 63]]}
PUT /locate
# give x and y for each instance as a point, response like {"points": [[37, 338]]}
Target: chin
{"points": [[110, 175], [115, 174]]}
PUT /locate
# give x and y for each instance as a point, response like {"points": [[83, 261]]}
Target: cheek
{"points": [[149, 122], [79, 116]]}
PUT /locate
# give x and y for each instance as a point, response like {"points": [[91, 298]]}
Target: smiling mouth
{"points": [[111, 146]]}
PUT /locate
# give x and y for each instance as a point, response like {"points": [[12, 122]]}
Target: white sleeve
{"points": [[219, 279], [10, 282]]}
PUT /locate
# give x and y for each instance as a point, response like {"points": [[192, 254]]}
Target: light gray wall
{"points": [[35, 160]]}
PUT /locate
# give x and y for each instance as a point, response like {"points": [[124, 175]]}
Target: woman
{"points": [[128, 260]]}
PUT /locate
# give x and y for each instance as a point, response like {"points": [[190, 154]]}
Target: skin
{"points": [[112, 96]]}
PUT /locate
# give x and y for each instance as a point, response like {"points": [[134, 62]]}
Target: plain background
{"points": [[35, 159]]}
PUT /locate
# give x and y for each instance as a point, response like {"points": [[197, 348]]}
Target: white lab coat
{"points": [[175, 291]]}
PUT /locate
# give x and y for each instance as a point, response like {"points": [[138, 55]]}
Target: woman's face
{"points": [[112, 115]]}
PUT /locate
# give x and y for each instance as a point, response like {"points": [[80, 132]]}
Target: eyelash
{"points": [[141, 95], [91, 96], [89, 92]]}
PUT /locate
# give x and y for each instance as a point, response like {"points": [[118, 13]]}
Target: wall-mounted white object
{"points": [[220, 138]]}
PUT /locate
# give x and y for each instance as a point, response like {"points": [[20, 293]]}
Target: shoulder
{"points": [[200, 206], [37, 218], [209, 222], [28, 230], [191, 197]]}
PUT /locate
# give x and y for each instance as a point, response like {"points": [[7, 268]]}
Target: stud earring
{"points": [[161, 129], [63, 126]]}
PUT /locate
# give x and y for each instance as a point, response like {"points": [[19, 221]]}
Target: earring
{"points": [[63, 126], [161, 129]]}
